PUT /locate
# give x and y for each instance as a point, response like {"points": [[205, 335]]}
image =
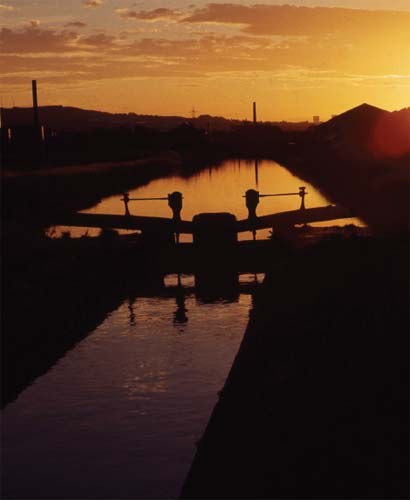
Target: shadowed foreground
{"points": [[316, 404]]}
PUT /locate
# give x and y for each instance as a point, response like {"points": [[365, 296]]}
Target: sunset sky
{"points": [[167, 56]]}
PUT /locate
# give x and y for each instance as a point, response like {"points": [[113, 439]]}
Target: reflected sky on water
{"points": [[119, 415], [220, 189]]}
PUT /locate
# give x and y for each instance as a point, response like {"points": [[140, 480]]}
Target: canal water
{"points": [[119, 415], [218, 189]]}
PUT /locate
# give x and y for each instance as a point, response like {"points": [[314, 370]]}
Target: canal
{"points": [[218, 188], [119, 415]]}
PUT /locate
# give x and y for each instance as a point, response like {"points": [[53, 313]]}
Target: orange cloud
{"points": [[316, 50], [291, 20], [149, 15], [75, 24], [204, 55], [34, 40], [92, 3], [8, 8]]}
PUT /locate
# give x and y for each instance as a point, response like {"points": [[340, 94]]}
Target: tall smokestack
{"points": [[254, 113], [35, 103]]}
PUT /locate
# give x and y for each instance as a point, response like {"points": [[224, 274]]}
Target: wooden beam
{"points": [[137, 222], [293, 217], [143, 223]]}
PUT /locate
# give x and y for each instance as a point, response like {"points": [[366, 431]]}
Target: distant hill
{"points": [[77, 119], [368, 130]]}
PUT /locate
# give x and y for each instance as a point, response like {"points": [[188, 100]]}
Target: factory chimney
{"points": [[254, 113], [35, 104], [38, 131]]}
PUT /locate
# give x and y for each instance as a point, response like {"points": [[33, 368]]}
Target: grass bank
{"points": [[317, 402]]}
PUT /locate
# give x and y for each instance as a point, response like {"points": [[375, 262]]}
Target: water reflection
{"points": [[256, 173], [131, 302], [221, 189], [180, 314], [206, 288], [217, 189], [118, 416], [217, 286]]}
